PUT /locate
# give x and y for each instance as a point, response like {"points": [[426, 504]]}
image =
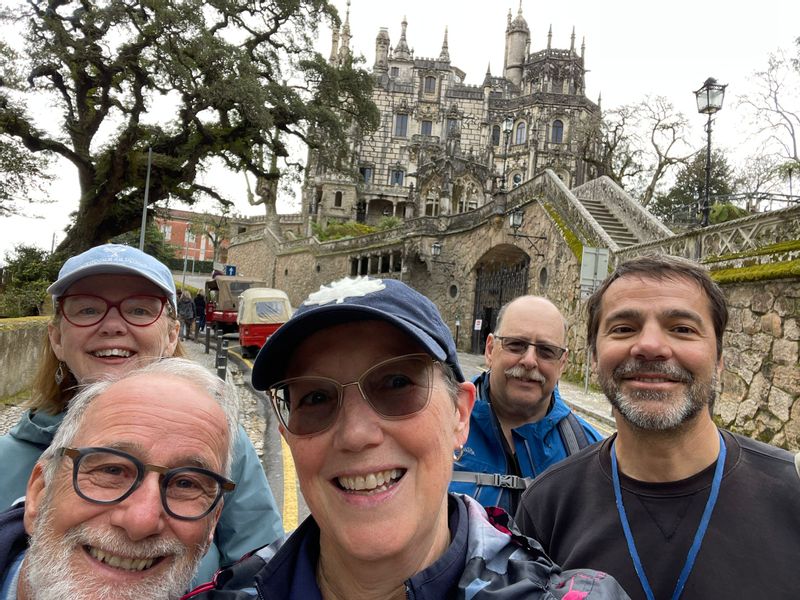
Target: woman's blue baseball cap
{"points": [[357, 299], [113, 259]]}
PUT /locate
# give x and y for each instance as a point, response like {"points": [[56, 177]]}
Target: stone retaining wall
{"points": [[20, 349], [760, 386]]}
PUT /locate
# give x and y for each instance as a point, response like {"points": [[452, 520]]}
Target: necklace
{"points": [[698, 536]]}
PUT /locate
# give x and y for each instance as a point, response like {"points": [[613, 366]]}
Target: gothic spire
{"points": [[344, 49], [550, 37], [401, 51], [444, 55], [572, 40]]}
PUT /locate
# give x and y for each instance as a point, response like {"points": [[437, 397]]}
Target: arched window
{"points": [[430, 85], [337, 200], [557, 132], [496, 135], [519, 138]]}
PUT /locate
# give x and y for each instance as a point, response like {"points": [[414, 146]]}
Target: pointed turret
{"points": [[344, 38], [583, 46], [401, 51], [444, 55], [487, 80], [517, 39], [572, 40], [550, 37]]}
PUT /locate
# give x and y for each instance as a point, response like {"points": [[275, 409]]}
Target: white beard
{"points": [[48, 571]]}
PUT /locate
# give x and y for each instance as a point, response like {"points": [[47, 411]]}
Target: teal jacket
{"points": [[250, 517]]}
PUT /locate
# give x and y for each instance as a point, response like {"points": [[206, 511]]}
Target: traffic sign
{"points": [[230, 270]]}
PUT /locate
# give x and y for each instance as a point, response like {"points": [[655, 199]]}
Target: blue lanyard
{"points": [[698, 536]]}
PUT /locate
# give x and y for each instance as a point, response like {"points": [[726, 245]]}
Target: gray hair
{"points": [[223, 392]]}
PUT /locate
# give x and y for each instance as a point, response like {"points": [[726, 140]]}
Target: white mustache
{"points": [[520, 372], [118, 543]]}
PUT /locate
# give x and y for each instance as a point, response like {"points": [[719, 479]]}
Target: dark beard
{"points": [[671, 413]]}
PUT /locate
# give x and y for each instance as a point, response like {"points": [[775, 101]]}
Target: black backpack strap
{"points": [[493, 479], [572, 434]]}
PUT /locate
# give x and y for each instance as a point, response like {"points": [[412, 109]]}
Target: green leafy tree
{"points": [[233, 72], [154, 243], [681, 204], [28, 272]]}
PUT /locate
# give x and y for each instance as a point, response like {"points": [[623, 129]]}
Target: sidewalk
{"points": [[593, 406]]}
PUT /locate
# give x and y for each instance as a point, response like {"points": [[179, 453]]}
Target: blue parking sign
{"points": [[230, 270]]}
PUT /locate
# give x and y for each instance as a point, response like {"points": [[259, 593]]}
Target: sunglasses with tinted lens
{"points": [[543, 351], [395, 389]]}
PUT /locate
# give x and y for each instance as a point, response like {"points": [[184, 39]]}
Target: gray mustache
{"points": [[633, 366], [520, 372]]}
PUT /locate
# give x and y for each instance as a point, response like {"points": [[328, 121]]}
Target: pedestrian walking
{"points": [[186, 314]]}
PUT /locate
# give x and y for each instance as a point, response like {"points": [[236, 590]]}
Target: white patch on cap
{"points": [[114, 250], [344, 288]]}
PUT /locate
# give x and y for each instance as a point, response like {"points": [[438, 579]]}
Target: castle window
{"points": [[430, 85], [366, 173], [496, 135], [394, 71], [396, 177], [166, 230], [426, 128], [401, 125], [432, 206], [337, 200], [519, 138], [557, 132]]}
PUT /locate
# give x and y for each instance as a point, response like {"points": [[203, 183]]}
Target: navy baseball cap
{"points": [[357, 299], [113, 259]]}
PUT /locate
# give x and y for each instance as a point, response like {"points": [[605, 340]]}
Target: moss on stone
{"points": [[572, 240], [22, 322], [16, 399], [786, 246], [766, 272]]}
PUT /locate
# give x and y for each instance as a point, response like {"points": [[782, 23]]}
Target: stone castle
{"points": [[494, 199], [444, 147]]}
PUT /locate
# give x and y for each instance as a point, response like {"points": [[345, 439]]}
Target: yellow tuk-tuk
{"points": [[261, 312]]}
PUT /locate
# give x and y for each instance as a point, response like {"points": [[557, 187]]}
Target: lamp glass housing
{"points": [[515, 219], [436, 249], [710, 97], [508, 124]]}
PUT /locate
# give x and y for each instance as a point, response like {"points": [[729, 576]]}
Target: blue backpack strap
{"points": [[572, 434]]}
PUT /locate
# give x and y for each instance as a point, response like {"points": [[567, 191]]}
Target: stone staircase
{"points": [[615, 228]]}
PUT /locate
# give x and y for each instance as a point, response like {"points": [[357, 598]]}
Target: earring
{"points": [[60, 374], [458, 453]]}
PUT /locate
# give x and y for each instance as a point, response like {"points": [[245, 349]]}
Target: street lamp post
{"points": [[508, 125], [709, 101]]}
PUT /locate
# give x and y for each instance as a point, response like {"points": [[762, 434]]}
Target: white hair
{"points": [[223, 392]]}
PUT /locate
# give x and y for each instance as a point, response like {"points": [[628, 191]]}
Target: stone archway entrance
{"points": [[501, 275]]}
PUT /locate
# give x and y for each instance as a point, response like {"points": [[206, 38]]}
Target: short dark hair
{"points": [[661, 266]]}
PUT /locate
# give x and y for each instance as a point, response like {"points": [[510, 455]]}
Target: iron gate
{"points": [[495, 285]]}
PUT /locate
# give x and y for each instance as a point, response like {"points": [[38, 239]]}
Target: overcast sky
{"points": [[633, 49]]}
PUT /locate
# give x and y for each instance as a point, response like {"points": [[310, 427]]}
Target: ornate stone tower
{"points": [[440, 148], [518, 39]]}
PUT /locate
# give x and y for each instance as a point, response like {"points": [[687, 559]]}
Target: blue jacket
{"points": [[249, 519], [537, 446], [484, 560]]}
